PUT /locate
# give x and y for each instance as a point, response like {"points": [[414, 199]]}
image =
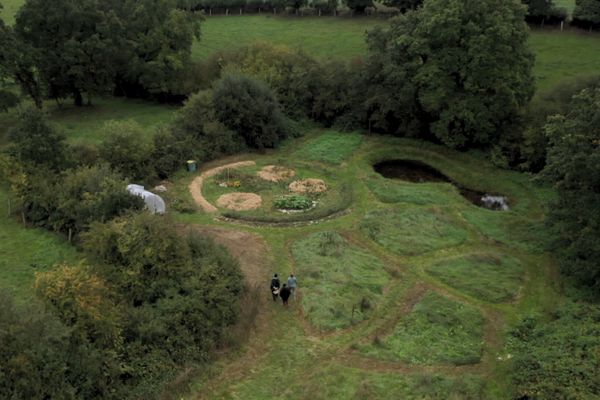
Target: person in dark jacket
{"points": [[275, 285], [285, 293]]}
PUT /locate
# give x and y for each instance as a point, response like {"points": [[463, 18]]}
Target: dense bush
{"points": [[559, 358], [178, 290], [249, 107], [573, 165], [127, 150]]}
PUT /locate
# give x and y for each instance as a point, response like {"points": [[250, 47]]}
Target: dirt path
{"points": [[255, 260], [249, 249], [196, 185]]}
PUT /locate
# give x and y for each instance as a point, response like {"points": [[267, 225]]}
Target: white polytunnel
{"points": [[154, 203]]}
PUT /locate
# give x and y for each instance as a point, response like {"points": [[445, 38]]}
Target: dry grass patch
{"points": [[310, 185], [240, 201], [276, 173]]}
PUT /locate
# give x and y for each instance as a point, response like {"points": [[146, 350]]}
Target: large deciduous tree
{"points": [[587, 13], [88, 47], [573, 164], [459, 70], [73, 45]]}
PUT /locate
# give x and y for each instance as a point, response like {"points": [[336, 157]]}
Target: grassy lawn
{"points": [[82, 124], [342, 283], [564, 55], [488, 277], [331, 147], [438, 330], [323, 37], [27, 251]]}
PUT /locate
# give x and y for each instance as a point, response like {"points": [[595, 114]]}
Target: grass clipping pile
{"points": [[240, 201], [275, 173], [310, 185]]}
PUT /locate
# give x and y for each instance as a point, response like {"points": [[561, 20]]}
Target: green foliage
{"points": [[127, 150], [293, 202], [341, 284], [249, 107], [358, 6], [34, 352], [412, 230], [573, 165], [177, 292], [331, 147], [487, 277], [438, 330], [557, 359], [90, 194], [462, 69], [35, 144], [587, 13], [404, 5]]}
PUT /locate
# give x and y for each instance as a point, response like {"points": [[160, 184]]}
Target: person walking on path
{"points": [[275, 285], [292, 283], [285, 294]]}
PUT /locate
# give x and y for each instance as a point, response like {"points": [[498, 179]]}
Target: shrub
{"points": [[127, 150], [294, 202]]}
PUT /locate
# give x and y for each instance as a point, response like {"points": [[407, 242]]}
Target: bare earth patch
{"points": [[196, 185], [240, 201], [310, 185], [276, 173]]}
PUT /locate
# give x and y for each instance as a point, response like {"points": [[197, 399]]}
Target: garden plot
{"points": [[288, 193], [342, 284], [409, 231], [438, 330], [489, 277]]}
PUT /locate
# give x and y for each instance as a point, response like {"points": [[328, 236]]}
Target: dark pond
{"points": [[418, 172]]}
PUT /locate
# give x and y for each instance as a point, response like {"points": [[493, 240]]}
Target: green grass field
{"points": [[487, 277], [437, 292], [27, 251], [438, 330], [413, 230], [342, 283]]}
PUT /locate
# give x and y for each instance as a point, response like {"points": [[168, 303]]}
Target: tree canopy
{"points": [[573, 164], [462, 68]]}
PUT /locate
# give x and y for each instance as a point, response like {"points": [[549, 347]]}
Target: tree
{"points": [[573, 164], [460, 68], [17, 64], [155, 44], [358, 6], [73, 45], [249, 107], [404, 5], [587, 13], [543, 11], [36, 144]]}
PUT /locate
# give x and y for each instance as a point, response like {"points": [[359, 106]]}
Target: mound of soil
{"points": [[276, 173], [240, 201], [310, 185]]}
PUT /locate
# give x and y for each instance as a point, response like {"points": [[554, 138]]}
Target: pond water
{"points": [[418, 172]]}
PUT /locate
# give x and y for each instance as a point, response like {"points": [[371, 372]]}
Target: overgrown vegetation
{"points": [[438, 330], [412, 230], [342, 283], [487, 277]]}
